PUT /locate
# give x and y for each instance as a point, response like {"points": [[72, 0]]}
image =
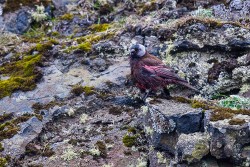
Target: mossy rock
{"points": [[237, 121], [10, 128], [23, 75]]}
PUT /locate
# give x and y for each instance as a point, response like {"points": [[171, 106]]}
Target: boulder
{"points": [[169, 119], [192, 148]]}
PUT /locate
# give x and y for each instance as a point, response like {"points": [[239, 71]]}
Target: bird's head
{"points": [[137, 51]]}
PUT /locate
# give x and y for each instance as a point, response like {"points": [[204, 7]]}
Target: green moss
{"points": [[11, 5], [5, 117], [23, 75], [86, 46], [199, 104], [182, 99], [55, 33], [44, 47], [1, 147], [102, 148], [77, 90], [10, 128], [67, 16], [88, 90], [132, 130], [99, 27], [220, 113], [237, 121], [129, 141], [31, 149], [3, 162]]}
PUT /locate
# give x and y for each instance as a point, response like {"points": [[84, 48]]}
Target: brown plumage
{"points": [[150, 73]]}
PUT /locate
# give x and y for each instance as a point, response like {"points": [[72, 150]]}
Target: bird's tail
{"points": [[189, 86]]}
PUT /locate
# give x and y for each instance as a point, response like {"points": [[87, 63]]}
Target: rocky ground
{"points": [[67, 99]]}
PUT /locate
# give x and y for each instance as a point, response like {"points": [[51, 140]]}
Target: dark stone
{"points": [[20, 24], [189, 123], [23, 21], [185, 45]]}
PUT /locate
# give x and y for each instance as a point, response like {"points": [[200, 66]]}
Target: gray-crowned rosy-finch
{"points": [[150, 73]]}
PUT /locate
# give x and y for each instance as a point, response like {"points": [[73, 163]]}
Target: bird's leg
{"points": [[166, 93], [146, 93]]}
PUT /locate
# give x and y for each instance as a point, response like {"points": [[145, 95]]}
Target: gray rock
{"points": [[16, 145], [61, 4], [169, 119], [18, 23], [192, 148], [229, 141]]}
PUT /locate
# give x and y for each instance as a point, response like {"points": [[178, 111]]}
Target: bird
{"points": [[150, 74]]}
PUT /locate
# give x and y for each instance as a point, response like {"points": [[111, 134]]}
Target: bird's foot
{"points": [[145, 96]]}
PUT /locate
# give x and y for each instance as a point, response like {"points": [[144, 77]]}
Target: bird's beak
{"points": [[132, 52]]}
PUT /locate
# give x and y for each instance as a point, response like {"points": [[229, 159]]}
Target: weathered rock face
{"points": [[192, 148], [19, 22], [184, 132], [229, 141], [86, 103], [169, 120]]}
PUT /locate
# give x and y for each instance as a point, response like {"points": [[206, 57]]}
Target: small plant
{"points": [[83, 118], [69, 154], [200, 12], [235, 102], [95, 152], [39, 15]]}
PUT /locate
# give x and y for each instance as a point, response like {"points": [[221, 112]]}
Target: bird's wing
{"points": [[150, 60], [163, 72]]}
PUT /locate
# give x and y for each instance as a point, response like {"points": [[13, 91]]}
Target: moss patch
{"points": [[88, 90], [3, 162], [129, 141], [86, 46], [5, 117], [237, 121], [32, 150], [10, 128], [77, 90], [226, 113], [102, 148], [1, 147], [39, 106], [99, 27], [67, 16], [23, 75]]}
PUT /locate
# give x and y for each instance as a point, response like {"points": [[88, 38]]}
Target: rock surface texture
{"points": [[67, 97]]}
